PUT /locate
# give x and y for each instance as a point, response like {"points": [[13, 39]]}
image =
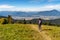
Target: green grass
{"points": [[26, 32], [52, 31], [18, 32]]}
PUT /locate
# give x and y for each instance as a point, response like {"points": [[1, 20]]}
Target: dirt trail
{"points": [[43, 33]]}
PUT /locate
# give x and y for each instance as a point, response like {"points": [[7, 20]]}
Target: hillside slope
{"points": [[49, 32], [18, 32], [42, 33], [52, 31]]}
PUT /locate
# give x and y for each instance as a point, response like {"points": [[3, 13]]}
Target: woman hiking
{"points": [[39, 23]]}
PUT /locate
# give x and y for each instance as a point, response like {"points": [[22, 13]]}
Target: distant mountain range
{"points": [[19, 13], [42, 14]]}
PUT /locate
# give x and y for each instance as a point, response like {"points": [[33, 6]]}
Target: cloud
{"points": [[49, 7], [41, 8], [6, 6]]}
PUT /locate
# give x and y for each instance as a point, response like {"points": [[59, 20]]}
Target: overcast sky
{"points": [[29, 5]]}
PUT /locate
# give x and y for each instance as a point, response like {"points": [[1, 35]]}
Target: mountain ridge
{"points": [[30, 14]]}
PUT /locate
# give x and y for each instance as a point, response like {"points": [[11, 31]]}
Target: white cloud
{"points": [[41, 8], [6, 6]]}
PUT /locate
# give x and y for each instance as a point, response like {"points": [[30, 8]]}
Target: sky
{"points": [[29, 5]]}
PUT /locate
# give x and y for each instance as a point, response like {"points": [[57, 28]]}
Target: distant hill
{"points": [[28, 14], [3, 17], [35, 21], [49, 13], [53, 14], [55, 21]]}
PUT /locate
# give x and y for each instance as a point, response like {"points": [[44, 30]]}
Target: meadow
{"points": [[26, 32], [52, 31], [18, 32]]}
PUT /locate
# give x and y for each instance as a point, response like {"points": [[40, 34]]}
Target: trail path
{"points": [[42, 33]]}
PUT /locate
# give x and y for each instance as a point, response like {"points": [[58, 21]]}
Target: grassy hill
{"points": [[48, 32], [18, 32], [52, 31], [28, 32]]}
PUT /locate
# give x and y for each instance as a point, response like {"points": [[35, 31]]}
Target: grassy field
{"points": [[18, 32], [26, 32], [52, 31]]}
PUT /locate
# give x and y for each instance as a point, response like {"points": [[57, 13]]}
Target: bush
{"points": [[9, 19], [24, 21], [3, 21]]}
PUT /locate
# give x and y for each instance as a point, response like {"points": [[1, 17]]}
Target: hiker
{"points": [[39, 23]]}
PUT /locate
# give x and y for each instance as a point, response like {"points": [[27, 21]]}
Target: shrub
{"points": [[3, 21], [24, 21], [9, 19]]}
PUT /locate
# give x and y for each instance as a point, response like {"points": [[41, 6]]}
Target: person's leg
{"points": [[39, 27]]}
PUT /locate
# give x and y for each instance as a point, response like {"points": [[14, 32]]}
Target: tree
{"points": [[5, 21], [9, 19], [30, 22], [24, 21]]}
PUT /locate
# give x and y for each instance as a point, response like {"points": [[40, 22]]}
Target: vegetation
{"points": [[18, 32], [22, 30], [9, 19], [53, 31], [24, 21], [3, 21]]}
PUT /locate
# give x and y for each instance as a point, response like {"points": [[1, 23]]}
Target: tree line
{"points": [[10, 20], [7, 20]]}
